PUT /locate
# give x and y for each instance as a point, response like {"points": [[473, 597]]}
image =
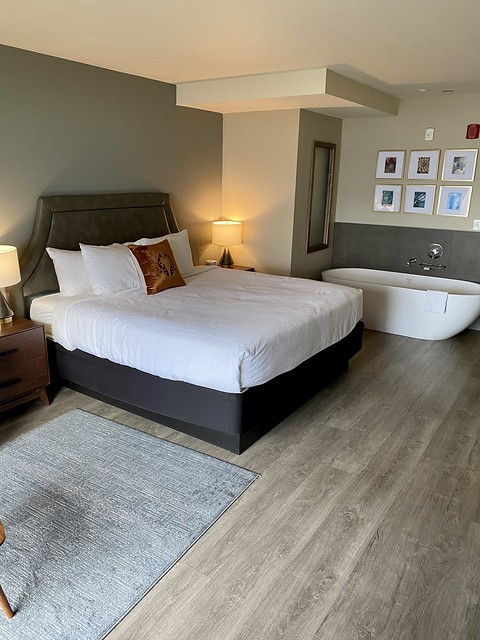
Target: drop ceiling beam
{"points": [[303, 89]]}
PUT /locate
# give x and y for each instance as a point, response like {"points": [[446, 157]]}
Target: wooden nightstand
{"points": [[239, 267], [23, 363]]}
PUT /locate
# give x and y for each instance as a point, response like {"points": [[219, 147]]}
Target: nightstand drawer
{"points": [[21, 347], [22, 378]]}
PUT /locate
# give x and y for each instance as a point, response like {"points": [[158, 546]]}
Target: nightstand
{"points": [[23, 363], [238, 267]]}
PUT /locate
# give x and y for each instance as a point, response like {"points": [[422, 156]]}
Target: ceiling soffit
{"points": [[316, 89]]}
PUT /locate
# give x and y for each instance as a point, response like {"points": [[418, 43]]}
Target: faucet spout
{"points": [[411, 261]]}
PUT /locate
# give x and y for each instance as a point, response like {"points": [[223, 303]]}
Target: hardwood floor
{"points": [[365, 523]]}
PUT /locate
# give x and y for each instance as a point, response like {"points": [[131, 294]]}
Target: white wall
{"points": [[259, 176], [362, 138]]}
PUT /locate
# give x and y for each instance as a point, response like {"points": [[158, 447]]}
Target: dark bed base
{"points": [[229, 420]]}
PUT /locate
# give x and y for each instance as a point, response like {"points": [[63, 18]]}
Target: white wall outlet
{"points": [[476, 225], [429, 133]]}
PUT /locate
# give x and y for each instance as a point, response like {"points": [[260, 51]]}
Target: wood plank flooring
{"points": [[365, 523]]}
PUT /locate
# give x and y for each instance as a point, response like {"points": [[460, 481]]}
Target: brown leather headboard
{"points": [[99, 219]]}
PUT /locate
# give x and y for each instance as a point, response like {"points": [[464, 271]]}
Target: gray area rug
{"points": [[95, 513]]}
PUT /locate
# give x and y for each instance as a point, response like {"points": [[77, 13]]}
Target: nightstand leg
{"points": [[42, 394]]}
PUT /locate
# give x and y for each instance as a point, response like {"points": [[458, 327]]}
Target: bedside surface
{"points": [[17, 325], [23, 363], [238, 267]]}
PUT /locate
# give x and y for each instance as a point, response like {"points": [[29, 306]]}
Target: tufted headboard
{"points": [[99, 219]]}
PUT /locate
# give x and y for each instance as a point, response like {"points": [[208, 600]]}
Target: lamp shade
{"points": [[226, 232], [9, 269]]}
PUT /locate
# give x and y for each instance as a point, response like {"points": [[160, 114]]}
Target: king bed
{"points": [[221, 355]]}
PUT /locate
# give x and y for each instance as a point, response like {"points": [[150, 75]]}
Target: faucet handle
{"points": [[411, 261], [435, 250]]}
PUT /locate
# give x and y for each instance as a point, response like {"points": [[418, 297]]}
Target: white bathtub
{"points": [[407, 305]]}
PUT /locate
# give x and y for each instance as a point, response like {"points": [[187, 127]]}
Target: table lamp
{"points": [[9, 275], [226, 233]]}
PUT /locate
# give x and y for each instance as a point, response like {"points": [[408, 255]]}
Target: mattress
{"points": [[226, 330], [41, 310]]}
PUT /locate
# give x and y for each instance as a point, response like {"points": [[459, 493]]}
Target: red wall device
{"points": [[473, 131]]}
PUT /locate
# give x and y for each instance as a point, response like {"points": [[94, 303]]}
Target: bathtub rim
{"points": [[416, 276]]}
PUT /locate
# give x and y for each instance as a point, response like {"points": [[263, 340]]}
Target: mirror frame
{"points": [[324, 208]]}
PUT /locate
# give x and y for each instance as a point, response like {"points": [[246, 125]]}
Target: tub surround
{"points": [[390, 248]]}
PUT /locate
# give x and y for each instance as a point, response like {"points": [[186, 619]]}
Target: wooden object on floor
{"points": [[24, 371], [3, 600]]}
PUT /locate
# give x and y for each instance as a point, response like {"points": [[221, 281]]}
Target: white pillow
{"points": [[180, 247], [110, 268], [71, 273]]}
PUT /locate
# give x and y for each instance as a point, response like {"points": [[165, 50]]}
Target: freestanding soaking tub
{"points": [[412, 305]]}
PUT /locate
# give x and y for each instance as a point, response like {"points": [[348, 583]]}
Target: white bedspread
{"points": [[226, 330]]}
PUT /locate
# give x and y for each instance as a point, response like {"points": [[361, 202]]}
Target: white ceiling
{"points": [[396, 48]]}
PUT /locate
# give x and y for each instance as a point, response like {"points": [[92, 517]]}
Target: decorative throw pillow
{"points": [[158, 266], [180, 246]]}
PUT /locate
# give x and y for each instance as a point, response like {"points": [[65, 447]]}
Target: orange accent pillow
{"points": [[158, 266]]}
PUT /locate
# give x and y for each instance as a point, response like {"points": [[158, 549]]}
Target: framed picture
{"points": [[459, 164], [454, 201], [387, 197], [419, 199], [423, 165], [390, 164]]}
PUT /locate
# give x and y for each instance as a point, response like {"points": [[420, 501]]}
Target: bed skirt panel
{"points": [[232, 421]]}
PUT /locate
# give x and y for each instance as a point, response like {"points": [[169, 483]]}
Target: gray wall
{"points": [[312, 127], [389, 249], [72, 128]]}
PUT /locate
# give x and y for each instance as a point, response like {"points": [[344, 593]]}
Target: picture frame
{"points": [[390, 164], [387, 197], [423, 164], [459, 164], [419, 199], [454, 200]]}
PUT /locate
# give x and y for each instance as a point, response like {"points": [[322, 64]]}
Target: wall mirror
{"points": [[320, 197]]}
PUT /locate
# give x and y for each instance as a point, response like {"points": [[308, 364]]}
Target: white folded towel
{"points": [[436, 301]]}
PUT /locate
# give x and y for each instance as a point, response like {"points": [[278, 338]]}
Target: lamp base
{"points": [[226, 259], [6, 313]]}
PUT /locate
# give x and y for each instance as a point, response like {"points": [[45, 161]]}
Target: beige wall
{"points": [[362, 138], [266, 174], [259, 173], [313, 126]]}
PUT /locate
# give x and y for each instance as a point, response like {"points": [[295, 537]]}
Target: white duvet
{"points": [[226, 330]]}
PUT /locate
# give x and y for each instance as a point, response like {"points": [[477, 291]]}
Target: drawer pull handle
{"points": [[10, 383], [8, 353]]}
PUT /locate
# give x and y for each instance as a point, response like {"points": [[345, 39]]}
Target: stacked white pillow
{"points": [[113, 268], [71, 273]]}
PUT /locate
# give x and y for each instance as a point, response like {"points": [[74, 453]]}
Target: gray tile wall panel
{"points": [[389, 249]]}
